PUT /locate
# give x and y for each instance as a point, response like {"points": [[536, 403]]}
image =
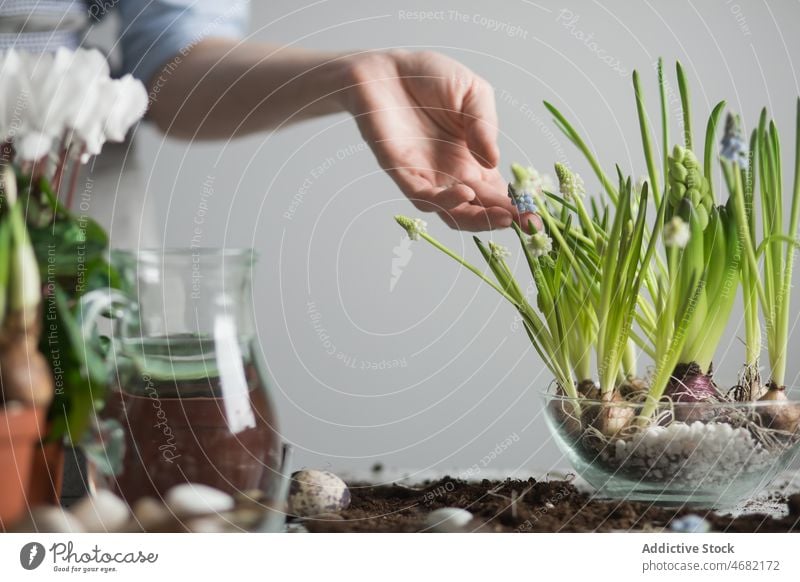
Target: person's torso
{"points": [[42, 25]]}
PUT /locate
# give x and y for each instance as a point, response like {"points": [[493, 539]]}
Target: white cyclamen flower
{"points": [[35, 89], [51, 82], [539, 244], [128, 107], [33, 145], [676, 233], [49, 96], [15, 95]]}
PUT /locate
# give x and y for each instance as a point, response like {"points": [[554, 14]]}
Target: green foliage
{"points": [[607, 284], [72, 254]]}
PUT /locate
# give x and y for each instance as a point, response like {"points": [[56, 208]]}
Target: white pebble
{"points": [[207, 525], [448, 519], [47, 519], [101, 512], [196, 499], [692, 453]]}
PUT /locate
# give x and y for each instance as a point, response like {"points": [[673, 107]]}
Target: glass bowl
{"points": [[712, 454]]}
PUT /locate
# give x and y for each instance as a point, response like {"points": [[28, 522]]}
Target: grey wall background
{"points": [[434, 373]]}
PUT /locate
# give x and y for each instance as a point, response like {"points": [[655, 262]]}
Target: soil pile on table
{"points": [[519, 506]]}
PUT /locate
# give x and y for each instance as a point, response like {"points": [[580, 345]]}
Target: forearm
{"points": [[223, 88]]}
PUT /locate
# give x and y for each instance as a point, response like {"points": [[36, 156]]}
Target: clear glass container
{"points": [[188, 389], [709, 454]]}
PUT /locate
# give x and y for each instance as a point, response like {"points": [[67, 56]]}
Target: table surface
{"points": [[767, 502]]}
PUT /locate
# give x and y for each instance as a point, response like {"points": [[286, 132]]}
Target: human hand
{"points": [[432, 125]]}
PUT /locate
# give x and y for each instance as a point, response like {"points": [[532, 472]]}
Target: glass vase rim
{"points": [[550, 396], [159, 254]]}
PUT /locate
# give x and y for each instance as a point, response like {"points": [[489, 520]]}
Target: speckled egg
{"points": [[313, 492]]}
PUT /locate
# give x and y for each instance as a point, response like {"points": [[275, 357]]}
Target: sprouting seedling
{"points": [[738, 163], [688, 294], [778, 247], [24, 374]]}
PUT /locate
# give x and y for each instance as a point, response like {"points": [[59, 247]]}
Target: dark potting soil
{"points": [[521, 506]]}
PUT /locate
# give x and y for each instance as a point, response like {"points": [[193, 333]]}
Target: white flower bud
{"points": [[499, 251], [414, 226], [539, 244], [419, 227], [570, 184], [676, 233]]}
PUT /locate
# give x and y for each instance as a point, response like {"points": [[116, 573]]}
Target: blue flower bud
{"points": [[733, 146]]}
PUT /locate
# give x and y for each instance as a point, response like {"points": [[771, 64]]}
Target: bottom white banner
{"points": [[310, 557]]}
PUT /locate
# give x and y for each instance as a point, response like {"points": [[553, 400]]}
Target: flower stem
{"points": [[472, 268]]}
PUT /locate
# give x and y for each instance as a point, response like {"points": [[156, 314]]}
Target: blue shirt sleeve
{"points": [[154, 32]]}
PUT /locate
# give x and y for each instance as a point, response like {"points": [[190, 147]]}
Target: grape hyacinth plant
{"points": [[635, 290]]}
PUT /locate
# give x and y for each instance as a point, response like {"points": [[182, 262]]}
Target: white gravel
{"points": [[680, 452]]}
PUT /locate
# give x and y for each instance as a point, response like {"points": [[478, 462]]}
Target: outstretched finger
{"points": [[476, 218], [439, 198], [528, 220], [493, 193], [430, 198]]}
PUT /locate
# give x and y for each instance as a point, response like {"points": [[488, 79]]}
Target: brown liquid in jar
{"points": [[188, 432]]}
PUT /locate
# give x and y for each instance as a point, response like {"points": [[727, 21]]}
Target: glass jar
{"points": [[187, 386]]}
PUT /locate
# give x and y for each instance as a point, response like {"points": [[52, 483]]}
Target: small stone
{"points": [[794, 505], [197, 499], [47, 519], [448, 519], [208, 524], [697, 454], [149, 512], [313, 492], [101, 512], [326, 517], [690, 523]]}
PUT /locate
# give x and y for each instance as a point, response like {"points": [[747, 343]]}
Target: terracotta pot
{"points": [[21, 430], [47, 474]]}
